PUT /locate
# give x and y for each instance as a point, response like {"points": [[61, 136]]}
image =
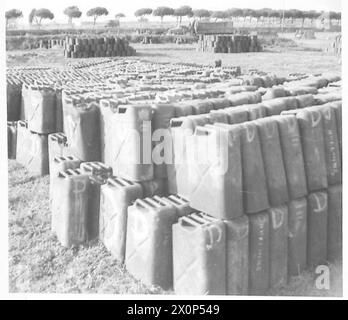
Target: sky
{"points": [[128, 7]]}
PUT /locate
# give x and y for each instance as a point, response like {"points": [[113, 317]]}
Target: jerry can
{"points": [[278, 237], [273, 161], [181, 129], [306, 100], [241, 98], [59, 111], [57, 146], [41, 112], [215, 171], [201, 106], [70, 207], [292, 155], [337, 106], [115, 197], [25, 101], [181, 205], [182, 109], [149, 255], [95, 183], [312, 136], [237, 255], [334, 234], [220, 103], [83, 131], [108, 114], [96, 168], [218, 116], [253, 172], [256, 111], [161, 151], [317, 228], [199, 256], [59, 164], [11, 139], [259, 253], [274, 106], [23, 143], [273, 93], [297, 236], [236, 114], [132, 143], [13, 95], [32, 150], [332, 148], [154, 187], [290, 102]]}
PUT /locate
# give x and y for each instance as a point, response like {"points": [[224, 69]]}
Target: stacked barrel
{"points": [[97, 47], [230, 197], [228, 43]]}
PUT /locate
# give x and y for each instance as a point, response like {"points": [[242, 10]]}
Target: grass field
{"points": [[37, 263]]}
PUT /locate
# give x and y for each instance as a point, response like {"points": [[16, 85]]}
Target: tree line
{"points": [[73, 12]]}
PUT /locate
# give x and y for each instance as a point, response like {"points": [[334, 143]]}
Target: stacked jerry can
{"points": [[220, 191]]}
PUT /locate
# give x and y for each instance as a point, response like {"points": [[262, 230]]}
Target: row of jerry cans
{"points": [[78, 193], [256, 164], [124, 128], [252, 254]]}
